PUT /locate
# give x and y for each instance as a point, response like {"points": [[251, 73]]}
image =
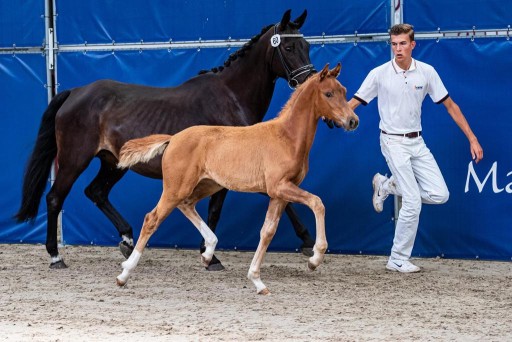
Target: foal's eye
{"points": [[328, 94]]}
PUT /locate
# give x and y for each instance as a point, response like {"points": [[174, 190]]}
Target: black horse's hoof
{"points": [[126, 249], [307, 251], [58, 265], [215, 265]]}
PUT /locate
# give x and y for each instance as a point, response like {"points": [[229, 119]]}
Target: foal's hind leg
{"points": [[267, 232], [214, 211], [98, 192], [152, 221], [189, 210]]}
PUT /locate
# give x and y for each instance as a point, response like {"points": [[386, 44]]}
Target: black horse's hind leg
{"points": [[98, 192], [54, 201], [301, 231], [54, 205], [214, 210]]}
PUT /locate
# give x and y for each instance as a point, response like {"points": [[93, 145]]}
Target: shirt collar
{"points": [[398, 69]]}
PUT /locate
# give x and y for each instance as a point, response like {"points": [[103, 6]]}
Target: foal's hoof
{"points": [[126, 249], [58, 265], [311, 267], [214, 265], [307, 251], [120, 283], [264, 292]]}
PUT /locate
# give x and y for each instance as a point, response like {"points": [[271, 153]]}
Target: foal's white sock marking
{"points": [[129, 265], [210, 240], [256, 281], [317, 257]]}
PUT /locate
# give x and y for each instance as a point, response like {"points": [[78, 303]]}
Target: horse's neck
{"points": [[299, 121], [252, 82]]}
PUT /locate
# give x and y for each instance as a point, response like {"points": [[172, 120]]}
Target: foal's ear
{"points": [[285, 20], [336, 71], [324, 72], [300, 20]]}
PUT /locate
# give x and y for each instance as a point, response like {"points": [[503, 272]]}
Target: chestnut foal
{"points": [[269, 157]]}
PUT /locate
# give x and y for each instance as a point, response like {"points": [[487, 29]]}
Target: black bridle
{"points": [[291, 75]]}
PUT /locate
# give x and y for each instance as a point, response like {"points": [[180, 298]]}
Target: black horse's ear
{"points": [[324, 72], [285, 20], [301, 19]]}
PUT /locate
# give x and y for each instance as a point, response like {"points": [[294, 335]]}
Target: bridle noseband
{"points": [[291, 75]]}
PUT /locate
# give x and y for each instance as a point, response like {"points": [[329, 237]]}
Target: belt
{"points": [[407, 135]]}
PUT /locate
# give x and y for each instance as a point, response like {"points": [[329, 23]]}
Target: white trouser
{"points": [[417, 178]]}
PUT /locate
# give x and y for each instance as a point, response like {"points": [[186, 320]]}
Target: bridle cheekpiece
{"points": [[291, 75]]}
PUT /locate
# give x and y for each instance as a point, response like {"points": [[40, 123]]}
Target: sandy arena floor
{"points": [[170, 297]]}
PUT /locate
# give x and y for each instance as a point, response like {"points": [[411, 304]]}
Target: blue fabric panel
{"points": [[99, 21], [471, 224], [21, 23], [22, 80], [150, 67], [458, 15], [336, 173]]}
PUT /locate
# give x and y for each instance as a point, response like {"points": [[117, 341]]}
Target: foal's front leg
{"points": [[275, 209], [292, 193]]}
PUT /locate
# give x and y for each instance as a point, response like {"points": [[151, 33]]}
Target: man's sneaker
{"points": [[379, 195], [403, 266]]}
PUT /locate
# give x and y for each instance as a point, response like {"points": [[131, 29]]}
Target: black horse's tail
{"points": [[40, 162]]}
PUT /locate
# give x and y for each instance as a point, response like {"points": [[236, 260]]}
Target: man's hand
{"points": [[330, 123], [476, 150]]}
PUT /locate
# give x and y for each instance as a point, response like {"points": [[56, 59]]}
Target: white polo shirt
{"points": [[401, 93]]}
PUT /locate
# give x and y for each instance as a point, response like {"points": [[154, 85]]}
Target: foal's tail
{"points": [[142, 150], [40, 162]]}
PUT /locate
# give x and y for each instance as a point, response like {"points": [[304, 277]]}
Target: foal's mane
{"points": [[240, 52], [296, 93]]}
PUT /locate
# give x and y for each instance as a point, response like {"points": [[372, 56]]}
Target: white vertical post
{"points": [[48, 46], [397, 12], [396, 18], [51, 83]]}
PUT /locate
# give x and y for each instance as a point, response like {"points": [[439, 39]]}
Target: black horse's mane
{"points": [[239, 53]]}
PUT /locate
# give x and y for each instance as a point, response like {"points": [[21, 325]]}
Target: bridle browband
{"points": [[291, 75]]}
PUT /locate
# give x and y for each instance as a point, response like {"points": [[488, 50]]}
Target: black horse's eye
{"points": [[288, 48], [328, 94]]}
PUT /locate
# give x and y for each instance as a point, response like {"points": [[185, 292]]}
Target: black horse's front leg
{"points": [[98, 192], [214, 211], [301, 231]]}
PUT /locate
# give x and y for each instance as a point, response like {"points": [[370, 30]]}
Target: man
{"points": [[401, 86]]}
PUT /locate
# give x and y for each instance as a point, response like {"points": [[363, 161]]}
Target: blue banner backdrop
{"points": [[99, 21], [21, 23], [458, 14], [24, 97], [475, 222]]}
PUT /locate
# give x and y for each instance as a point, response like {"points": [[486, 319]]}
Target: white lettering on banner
{"points": [[493, 173]]}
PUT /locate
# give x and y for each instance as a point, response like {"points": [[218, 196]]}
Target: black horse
{"points": [[97, 119]]}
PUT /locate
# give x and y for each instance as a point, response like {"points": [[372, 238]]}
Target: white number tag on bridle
{"points": [[275, 40]]}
